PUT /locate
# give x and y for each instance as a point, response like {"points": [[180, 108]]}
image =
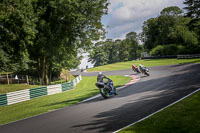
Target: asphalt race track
{"points": [[165, 85]]}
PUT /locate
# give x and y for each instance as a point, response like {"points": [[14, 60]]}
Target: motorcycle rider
{"points": [[141, 66], [100, 78], [133, 66], [135, 69]]}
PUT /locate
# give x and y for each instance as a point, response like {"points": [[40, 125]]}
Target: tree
{"points": [[168, 28], [193, 11], [192, 8], [149, 33], [17, 31], [99, 55], [133, 42], [64, 26], [171, 11], [50, 33]]}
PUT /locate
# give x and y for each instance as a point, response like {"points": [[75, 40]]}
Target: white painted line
{"points": [[90, 98], [158, 110]]}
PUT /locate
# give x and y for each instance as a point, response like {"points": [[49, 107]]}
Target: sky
{"points": [[125, 16]]}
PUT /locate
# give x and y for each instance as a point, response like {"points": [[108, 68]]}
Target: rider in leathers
{"points": [[100, 78]]}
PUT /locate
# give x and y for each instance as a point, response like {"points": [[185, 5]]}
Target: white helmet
{"points": [[100, 73]]}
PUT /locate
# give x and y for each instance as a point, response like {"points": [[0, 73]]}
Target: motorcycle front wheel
{"points": [[146, 73], [104, 93]]}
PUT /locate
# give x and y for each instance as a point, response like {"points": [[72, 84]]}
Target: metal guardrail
{"points": [[191, 56], [188, 56], [28, 94]]}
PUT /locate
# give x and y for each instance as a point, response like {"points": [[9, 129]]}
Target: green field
{"points": [[4, 88], [183, 117], [85, 89], [145, 62]]}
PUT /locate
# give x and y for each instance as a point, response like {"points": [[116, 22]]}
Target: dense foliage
{"points": [[43, 37], [46, 36], [172, 32], [110, 51]]}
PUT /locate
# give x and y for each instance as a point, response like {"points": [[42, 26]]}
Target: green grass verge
{"points": [[182, 117], [15, 87], [59, 82], [145, 62], [85, 89]]}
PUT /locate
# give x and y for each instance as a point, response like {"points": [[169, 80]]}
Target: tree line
{"points": [[43, 36], [111, 51], [173, 32]]}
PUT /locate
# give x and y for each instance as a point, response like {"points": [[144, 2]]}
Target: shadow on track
{"points": [[146, 97]]}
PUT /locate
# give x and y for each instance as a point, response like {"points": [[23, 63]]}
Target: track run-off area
{"points": [[136, 100]]}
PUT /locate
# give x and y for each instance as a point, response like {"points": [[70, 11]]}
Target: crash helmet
{"points": [[100, 73]]}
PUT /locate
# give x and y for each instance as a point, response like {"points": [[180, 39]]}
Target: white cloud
{"points": [[129, 15]]}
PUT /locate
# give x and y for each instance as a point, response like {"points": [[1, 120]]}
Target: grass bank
{"points": [[145, 62], [4, 88], [182, 117], [85, 89]]}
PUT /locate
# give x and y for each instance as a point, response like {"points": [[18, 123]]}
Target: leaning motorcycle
{"points": [[144, 70], [106, 89], [135, 69]]}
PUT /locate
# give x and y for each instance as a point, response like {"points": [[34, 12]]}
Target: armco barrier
{"points": [[37, 92], [67, 86], [74, 82], [191, 56], [24, 95], [53, 89], [18, 96], [3, 99]]}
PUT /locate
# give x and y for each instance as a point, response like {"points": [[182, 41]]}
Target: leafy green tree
{"points": [[192, 8], [109, 51], [17, 31], [132, 40], [163, 50], [63, 27], [99, 55], [193, 11], [149, 33], [50, 33], [171, 11], [168, 28]]}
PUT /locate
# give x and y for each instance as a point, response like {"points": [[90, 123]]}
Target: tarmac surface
{"points": [[165, 85]]}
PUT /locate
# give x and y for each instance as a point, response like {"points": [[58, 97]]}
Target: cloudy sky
{"points": [[128, 15], [125, 16]]}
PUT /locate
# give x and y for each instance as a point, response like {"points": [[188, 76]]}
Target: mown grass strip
{"points": [[4, 88], [85, 89], [146, 62], [183, 117]]}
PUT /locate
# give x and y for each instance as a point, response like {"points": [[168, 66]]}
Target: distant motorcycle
{"points": [[106, 88], [135, 69], [144, 70]]}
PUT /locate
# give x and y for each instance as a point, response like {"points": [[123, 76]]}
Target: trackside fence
{"points": [[28, 94], [192, 56]]}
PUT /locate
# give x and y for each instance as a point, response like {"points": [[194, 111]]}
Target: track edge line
{"points": [[158, 110]]}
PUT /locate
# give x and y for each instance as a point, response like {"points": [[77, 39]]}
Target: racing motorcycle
{"points": [[135, 69], [144, 70], [106, 88]]}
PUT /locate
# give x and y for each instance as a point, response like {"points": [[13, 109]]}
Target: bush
{"points": [[157, 51], [171, 49]]}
